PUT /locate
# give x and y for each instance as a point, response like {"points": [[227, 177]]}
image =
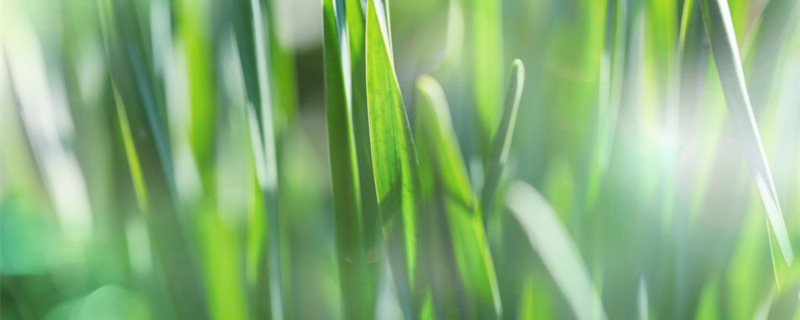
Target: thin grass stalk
{"points": [[251, 40]]}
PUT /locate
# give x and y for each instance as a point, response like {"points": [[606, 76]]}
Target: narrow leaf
{"points": [[394, 163], [468, 237], [558, 252], [252, 44], [498, 156], [358, 267], [719, 29]]}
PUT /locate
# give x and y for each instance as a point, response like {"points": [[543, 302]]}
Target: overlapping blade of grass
{"points": [[354, 15], [251, 41], [139, 106], [358, 251], [719, 29], [501, 144], [558, 252], [487, 57], [395, 166], [472, 257], [371, 224]]}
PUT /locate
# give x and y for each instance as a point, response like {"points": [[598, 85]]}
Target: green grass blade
{"points": [[136, 97], [719, 29], [395, 164], [468, 236], [487, 62], [434, 117], [358, 254], [558, 252], [609, 96], [371, 224], [282, 75], [498, 156], [355, 18], [249, 27], [193, 26]]}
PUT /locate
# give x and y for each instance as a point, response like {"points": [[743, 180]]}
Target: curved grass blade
{"points": [[719, 29], [498, 156], [252, 47], [394, 164], [434, 117], [468, 237], [558, 252], [358, 253]]}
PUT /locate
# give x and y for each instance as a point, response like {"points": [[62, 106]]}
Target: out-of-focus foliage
{"points": [[357, 159]]}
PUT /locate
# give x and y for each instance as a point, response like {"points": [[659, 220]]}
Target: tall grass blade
{"points": [[249, 27], [501, 144], [395, 164], [132, 77], [468, 236], [486, 32], [282, 77], [719, 29], [193, 19], [358, 255], [370, 218], [558, 252], [224, 289]]}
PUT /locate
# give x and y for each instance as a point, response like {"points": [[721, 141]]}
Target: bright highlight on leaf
{"points": [[395, 164]]}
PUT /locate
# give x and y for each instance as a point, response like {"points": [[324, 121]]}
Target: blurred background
{"points": [[651, 185]]}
